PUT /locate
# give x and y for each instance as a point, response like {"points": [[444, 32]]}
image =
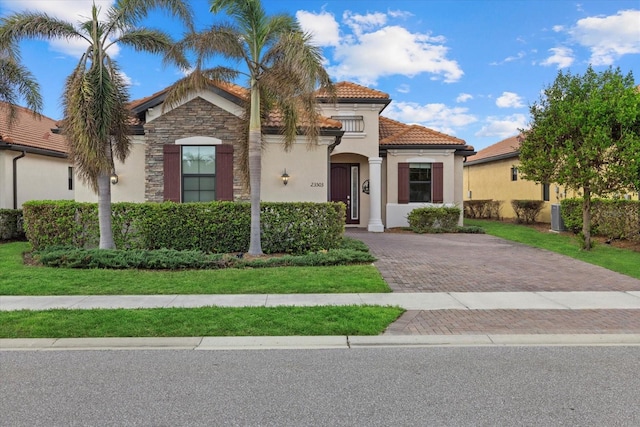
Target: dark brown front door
{"points": [[344, 188]]}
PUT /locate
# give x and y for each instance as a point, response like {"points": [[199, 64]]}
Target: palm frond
{"points": [[35, 25], [196, 81], [17, 83], [130, 12]]}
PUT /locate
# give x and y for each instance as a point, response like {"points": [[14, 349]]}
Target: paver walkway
{"points": [[483, 263]]}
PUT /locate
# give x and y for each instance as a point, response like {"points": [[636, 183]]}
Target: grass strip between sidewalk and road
{"points": [[203, 321], [16, 278], [615, 259]]}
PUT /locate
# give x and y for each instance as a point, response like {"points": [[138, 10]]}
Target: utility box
{"points": [[557, 224]]}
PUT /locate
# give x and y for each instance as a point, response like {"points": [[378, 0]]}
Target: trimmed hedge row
{"points": [[215, 227], [11, 224], [612, 218], [527, 210], [482, 209], [434, 220]]}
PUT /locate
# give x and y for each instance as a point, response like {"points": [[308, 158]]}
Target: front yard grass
{"points": [[195, 322], [620, 260], [16, 278]]}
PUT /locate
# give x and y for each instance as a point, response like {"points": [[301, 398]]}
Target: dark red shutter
{"points": [[403, 182], [224, 172], [171, 172], [437, 184]]}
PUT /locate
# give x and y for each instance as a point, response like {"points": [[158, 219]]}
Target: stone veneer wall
{"points": [[195, 118]]}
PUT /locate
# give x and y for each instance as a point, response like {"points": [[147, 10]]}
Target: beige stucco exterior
{"points": [[39, 177], [492, 180]]}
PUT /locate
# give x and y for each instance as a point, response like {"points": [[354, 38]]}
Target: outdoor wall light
{"points": [[113, 178], [285, 177]]}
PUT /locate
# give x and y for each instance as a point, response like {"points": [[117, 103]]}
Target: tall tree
{"points": [[585, 135], [95, 95], [283, 70], [17, 83]]}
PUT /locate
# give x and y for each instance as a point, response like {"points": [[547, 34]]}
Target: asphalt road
{"points": [[475, 386]]}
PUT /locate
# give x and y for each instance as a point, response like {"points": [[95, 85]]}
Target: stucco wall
{"points": [[492, 180], [364, 143], [363, 163], [38, 178], [306, 166], [396, 214]]}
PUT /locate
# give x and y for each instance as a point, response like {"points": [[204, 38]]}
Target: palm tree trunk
{"points": [[586, 219], [255, 170], [104, 212]]}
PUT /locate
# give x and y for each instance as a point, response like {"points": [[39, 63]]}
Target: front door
{"points": [[345, 183]]}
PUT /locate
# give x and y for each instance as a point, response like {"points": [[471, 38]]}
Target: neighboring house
{"points": [[493, 174], [380, 168], [33, 160]]}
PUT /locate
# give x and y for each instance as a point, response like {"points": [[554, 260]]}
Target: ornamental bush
{"points": [[11, 224], [215, 227], [482, 209], [527, 210], [611, 218], [434, 220]]}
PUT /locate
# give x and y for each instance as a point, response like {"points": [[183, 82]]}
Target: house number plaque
{"points": [[317, 184]]}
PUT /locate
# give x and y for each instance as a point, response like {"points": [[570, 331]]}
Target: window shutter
{"points": [[171, 172], [224, 172], [437, 184], [403, 182]]}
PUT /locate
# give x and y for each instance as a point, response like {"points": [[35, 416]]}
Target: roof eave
{"points": [[33, 150], [493, 158]]}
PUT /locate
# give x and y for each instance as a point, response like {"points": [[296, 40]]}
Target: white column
{"points": [[375, 195]]}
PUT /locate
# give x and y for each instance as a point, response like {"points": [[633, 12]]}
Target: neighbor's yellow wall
{"points": [[492, 180]]}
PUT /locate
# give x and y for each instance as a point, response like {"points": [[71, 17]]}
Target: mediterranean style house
{"points": [[492, 174], [33, 160], [380, 168]]}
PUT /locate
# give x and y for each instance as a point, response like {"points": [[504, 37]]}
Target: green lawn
{"points": [[615, 259], [19, 279], [190, 322]]}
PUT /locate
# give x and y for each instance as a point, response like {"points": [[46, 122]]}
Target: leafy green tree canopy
{"points": [[585, 135]]}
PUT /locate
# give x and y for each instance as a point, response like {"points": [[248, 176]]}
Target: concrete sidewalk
{"points": [[613, 300], [315, 342]]}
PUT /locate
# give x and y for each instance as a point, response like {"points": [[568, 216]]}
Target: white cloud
{"points": [[435, 116], [512, 58], [73, 11], [502, 127], [404, 88], [609, 37], [464, 97], [509, 100], [558, 28], [323, 26], [371, 48], [562, 57], [399, 14]]}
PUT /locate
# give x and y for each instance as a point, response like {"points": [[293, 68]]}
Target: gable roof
{"points": [[31, 132], [394, 133], [505, 149], [355, 93]]}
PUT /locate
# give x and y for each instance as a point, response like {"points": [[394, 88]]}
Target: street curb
{"points": [[316, 342]]}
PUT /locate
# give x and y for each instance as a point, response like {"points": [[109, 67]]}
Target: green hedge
{"points": [[434, 220], [216, 227], [11, 224], [612, 218], [482, 209], [527, 210]]}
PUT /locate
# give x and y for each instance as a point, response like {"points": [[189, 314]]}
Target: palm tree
{"points": [[16, 82], [95, 95], [283, 68]]}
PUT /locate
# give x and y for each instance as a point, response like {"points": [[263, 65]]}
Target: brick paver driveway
{"points": [[483, 263]]}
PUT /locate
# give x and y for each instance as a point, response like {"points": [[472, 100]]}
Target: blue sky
{"points": [[467, 68]]}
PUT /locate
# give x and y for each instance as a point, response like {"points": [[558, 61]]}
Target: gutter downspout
{"points": [[15, 178]]}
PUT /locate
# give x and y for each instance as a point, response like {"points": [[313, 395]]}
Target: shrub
{"points": [[471, 229], [611, 218], [11, 224], [169, 259], [482, 209], [216, 227], [434, 220], [527, 210]]}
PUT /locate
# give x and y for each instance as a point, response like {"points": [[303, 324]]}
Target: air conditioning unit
{"points": [[557, 224]]}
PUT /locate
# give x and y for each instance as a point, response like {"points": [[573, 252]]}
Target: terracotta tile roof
{"points": [[503, 149], [275, 120], [396, 133], [349, 90], [30, 131], [230, 88]]}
